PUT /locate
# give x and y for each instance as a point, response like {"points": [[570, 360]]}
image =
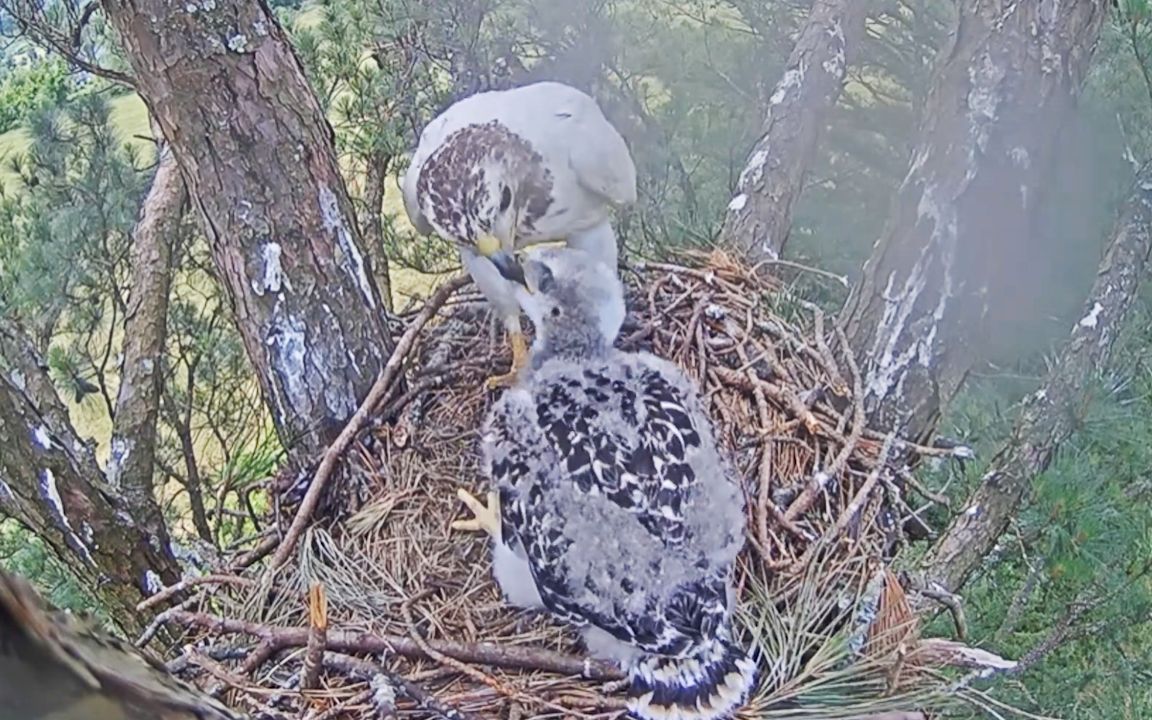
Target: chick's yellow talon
{"points": [[484, 517]]}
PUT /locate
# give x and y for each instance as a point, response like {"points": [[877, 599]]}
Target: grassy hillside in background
{"points": [[130, 116]]}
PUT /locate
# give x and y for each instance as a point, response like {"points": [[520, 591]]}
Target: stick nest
{"points": [[384, 611]]}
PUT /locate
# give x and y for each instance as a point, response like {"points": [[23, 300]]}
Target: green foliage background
{"points": [[683, 79]]}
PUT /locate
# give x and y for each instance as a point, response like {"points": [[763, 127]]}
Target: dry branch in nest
{"points": [[412, 623]]}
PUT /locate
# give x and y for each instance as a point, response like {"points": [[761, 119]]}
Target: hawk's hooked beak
{"points": [[507, 263], [510, 267]]}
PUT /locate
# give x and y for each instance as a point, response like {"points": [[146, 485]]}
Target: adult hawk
{"points": [[502, 170]]}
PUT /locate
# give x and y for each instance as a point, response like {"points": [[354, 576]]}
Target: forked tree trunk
{"points": [[1049, 416], [51, 484], [917, 316], [258, 158], [759, 217], [132, 455]]}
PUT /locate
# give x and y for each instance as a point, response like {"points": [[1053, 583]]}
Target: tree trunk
{"points": [[257, 155], [759, 217], [132, 460], [1049, 416], [51, 484], [917, 316]]}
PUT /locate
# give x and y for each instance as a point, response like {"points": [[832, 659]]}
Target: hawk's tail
{"points": [[710, 684]]}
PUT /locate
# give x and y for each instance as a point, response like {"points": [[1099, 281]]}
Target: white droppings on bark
{"points": [[348, 255], [753, 172], [1020, 157], [118, 452], [963, 452], [271, 271], [835, 65], [984, 97], [974, 510], [152, 582], [238, 42], [738, 203], [51, 493], [793, 78], [88, 534], [287, 346], [42, 437], [887, 375], [1093, 316], [260, 28], [7, 497], [17, 379]]}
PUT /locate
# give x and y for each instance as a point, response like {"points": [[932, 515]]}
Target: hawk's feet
{"points": [[484, 517], [519, 360]]}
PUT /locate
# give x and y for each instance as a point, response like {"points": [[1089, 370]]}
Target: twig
{"points": [[842, 279], [953, 603], [164, 617], [481, 653], [317, 637], [444, 659], [371, 671], [183, 585], [382, 385]]}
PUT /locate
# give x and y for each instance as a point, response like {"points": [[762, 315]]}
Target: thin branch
{"points": [[517, 657], [375, 395]]}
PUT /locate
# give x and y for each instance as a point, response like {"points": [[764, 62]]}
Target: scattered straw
{"points": [[416, 601]]}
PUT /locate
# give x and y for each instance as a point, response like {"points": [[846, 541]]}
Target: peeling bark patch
{"points": [[272, 273], [118, 453], [348, 256], [18, 380], [41, 437], [51, 495]]}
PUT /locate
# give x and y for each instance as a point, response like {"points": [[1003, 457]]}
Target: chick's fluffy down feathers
{"points": [[615, 498]]}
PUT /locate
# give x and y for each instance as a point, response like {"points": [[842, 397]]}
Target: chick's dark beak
{"points": [[509, 266]]}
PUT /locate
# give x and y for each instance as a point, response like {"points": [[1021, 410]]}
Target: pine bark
{"points": [[132, 457], [51, 484], [990, 128], [258, 158], [759, 217], [1048, 417]]}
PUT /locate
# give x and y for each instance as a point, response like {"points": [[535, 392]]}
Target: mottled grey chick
{"points": [[615, 510]]}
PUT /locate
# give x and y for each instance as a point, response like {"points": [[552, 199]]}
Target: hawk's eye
{"points": [[546, 282], [505, 198]]}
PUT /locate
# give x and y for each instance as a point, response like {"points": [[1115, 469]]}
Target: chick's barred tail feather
{"points": [[710, 684]]}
